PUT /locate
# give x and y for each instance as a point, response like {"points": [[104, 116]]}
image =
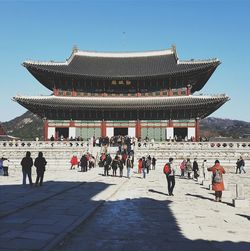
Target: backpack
{"points": [[217, 178], [167, 169]]}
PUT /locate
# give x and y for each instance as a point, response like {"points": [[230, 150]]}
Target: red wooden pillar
{"points": [[188, 90], [170, 92], [45, 129], [55, 91], [72, 123], [170, 123], [197, 129], [103, 128], [138, 129]]}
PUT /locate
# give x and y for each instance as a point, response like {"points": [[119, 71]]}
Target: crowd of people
{"points": [[86, 162], [124, 159]]}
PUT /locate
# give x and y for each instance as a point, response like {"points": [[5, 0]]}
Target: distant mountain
{"points": [[29, 126], [214, 127]]}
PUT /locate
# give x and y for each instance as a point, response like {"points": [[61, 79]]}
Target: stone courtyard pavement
{"points": [[88, 211]]}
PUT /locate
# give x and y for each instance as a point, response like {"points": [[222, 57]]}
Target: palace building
{"points": [[140, 94]]}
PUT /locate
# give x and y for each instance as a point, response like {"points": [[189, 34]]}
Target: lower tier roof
{"points": [[114, 108]]}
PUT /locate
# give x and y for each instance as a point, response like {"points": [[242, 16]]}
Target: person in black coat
{"points": [[27, 163], [84, 163], [107, 163], [40, 163], [195, 169]]}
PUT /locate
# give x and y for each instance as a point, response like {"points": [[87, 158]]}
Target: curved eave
{"points": [[195, 67], [182, 102]]}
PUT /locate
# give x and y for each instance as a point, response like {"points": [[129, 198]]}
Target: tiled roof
{"points": [[122, 65]]}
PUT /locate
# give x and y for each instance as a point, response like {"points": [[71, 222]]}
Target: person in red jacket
{"points": [[139, 165], [74, 162], [217, 180]]}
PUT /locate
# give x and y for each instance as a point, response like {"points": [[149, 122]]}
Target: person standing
{"points": [[129, 166], [238, 166], [144, 167], [114, 165], [84, 163], [169, 171], [217, 180], [182, 167], [27, 163], [5, 165], [195, 169], [74, 162], [189, 168], [40, 163], [120, 165], [153, 163], [107, 163], [148, 163], [139, 165], [204, 169]]}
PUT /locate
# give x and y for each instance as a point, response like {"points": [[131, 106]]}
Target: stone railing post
{"points": [[240, 200]]}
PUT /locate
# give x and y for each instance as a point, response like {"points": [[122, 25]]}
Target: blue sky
{"points": [[47, 30]]}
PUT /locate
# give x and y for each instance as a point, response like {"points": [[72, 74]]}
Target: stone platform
{"points": [[88, 211]]}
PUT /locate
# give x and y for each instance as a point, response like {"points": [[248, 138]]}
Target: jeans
{"points": [[39, 177], [242, 169], [25, 174], [171, 183], [144, 171], [128, 172]]}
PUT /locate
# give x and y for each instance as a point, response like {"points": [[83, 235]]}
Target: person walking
{"points": [[40, 163], [189, 168], [169, 171], [242, 165], [27, 163], [195, 169], [217, 180]]}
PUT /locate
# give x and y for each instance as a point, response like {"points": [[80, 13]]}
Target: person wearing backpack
{"points": [[217, 180], [169, 171]]}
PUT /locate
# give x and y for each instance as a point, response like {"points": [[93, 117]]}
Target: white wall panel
{"points": [[191, 132], [51, 131], [131, 131], [110, 131], [170, 133], [72, 132]]}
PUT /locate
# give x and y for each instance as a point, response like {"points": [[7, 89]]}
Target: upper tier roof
{"points": [[129, 65]]}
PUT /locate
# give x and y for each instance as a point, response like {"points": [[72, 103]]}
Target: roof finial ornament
{"points": [[75, 49], [174, 51], [173, 48]]}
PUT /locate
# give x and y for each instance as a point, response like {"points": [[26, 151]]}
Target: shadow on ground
{"points": [[128, 224]]}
